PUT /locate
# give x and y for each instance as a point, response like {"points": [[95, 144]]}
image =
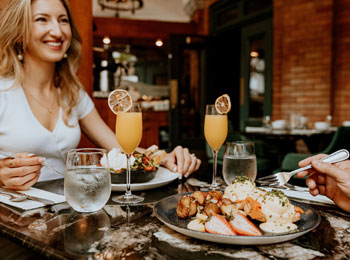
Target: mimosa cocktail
{"points": [[129, 134], [215, 132], [129, 130]]}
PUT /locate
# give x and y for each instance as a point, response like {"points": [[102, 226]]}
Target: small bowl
{"points": [[346, 123], [279, 124], [321, 126], [136, 176]]}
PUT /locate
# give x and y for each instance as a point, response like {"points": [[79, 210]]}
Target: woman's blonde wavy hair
{"points": [[15, 26]]}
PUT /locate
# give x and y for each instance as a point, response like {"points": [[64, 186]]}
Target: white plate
{"points": [[304, 195], [163, 177], [165, 211]]}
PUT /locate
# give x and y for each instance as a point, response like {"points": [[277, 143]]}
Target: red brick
{"points": [[303, 58]]}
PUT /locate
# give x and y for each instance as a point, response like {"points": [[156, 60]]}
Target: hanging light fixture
{"points": [[121, 5], [159, 43]]}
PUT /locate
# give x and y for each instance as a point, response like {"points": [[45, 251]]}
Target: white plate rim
{"points": [[163, 177]]}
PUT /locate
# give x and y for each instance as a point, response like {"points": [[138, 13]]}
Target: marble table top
{"points": [[133, 232]]}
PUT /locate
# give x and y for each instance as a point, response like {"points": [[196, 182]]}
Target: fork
{"points": [[281, 178], [9, 155]]}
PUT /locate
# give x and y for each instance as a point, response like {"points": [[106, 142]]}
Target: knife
{"points": [[34, 198], [318, 203]]}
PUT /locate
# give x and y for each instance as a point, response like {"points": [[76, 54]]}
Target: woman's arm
{"points": [[98, 131], [179, 160]]}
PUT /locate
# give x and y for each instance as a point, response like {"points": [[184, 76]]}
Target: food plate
{"points": [[165, 211], [137, 176], [163, 177]]}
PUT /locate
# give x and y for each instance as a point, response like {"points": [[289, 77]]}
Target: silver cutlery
{"points": [[312, 202], [9, 155], [287, 186], [281, 178], [14, 198], [30, 197]]}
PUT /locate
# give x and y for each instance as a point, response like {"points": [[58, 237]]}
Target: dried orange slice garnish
{"points": [[119, 100], [223, 104]]}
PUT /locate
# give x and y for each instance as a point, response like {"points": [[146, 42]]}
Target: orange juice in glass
{"points": [[215, 132], [129, 134], [129, 137]]}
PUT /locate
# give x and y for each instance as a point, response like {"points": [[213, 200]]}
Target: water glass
{"points": [[239, 160], [87, 183]]}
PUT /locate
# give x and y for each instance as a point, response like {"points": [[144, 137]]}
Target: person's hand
{"points": [[20, 173], [180, 160], [332, 180]]}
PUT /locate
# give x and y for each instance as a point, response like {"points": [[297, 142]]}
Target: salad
{"points": [[139, 161], [143, 162]]}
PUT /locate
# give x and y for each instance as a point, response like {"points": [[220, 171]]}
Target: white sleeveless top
{"points": [[20, 131]]}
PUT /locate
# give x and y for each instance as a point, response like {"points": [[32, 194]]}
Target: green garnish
{"points": [[282, 198], [242, 179]]}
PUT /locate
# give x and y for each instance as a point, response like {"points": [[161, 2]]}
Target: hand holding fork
{"points": [[21, 171], [281, 178], [9, 155]]}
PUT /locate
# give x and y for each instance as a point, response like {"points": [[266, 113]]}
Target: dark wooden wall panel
{"points": [[140, 29], [82, 15]]}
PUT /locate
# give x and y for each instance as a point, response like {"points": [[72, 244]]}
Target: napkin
{"points": [[302, 195], [31, 204]]}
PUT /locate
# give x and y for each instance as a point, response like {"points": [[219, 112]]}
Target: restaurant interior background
{"points": [[271, 57]]}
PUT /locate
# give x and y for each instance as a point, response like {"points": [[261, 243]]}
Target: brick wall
{"points": [[311, 58], [341, 62], [311, 72], [302, 72]]}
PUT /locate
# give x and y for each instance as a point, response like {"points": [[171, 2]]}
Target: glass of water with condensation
{"points": [[239, 160], [87, 183]]}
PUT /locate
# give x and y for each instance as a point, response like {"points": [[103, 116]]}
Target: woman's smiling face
{"points": [[51, 33]]}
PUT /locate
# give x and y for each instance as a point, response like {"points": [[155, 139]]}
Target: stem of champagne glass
{"points": [[215, 157], [128, 177]]}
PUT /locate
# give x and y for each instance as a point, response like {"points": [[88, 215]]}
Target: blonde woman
{"points": [[43, 106]]}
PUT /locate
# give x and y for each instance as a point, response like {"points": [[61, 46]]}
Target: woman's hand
{"points": [[332, 180], [180, 160], [21, 172]]}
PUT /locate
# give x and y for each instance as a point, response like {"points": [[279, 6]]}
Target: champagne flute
{"points": [[129, 134], [215, 132]]}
